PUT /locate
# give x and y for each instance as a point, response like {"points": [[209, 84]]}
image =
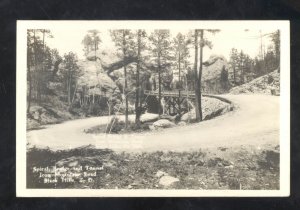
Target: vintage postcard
{"points": [[153, 108]]}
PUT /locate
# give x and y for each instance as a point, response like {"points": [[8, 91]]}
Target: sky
{"points": [[66, 40]]}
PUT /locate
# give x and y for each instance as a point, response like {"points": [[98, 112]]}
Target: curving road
{"points": [[255, 121]]}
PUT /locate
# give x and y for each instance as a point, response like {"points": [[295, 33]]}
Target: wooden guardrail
{"points": [[170, 93], [184, 94]]}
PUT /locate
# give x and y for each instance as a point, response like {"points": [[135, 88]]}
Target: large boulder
{"points": [[212, 73], [189, 116], [163, 123], [148, 117], [182, 123], [168, 181], [211, 107], [110, 58], [105, 55], [111, 62], [213, 67]]}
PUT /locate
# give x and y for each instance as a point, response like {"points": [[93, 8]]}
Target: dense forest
{"points": [[63, 86]]}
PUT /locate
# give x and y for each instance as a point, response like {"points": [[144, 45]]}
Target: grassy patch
{"points": [[117, 126]]}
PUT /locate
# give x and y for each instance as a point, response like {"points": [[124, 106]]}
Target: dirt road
{"points": [[255, 121]]}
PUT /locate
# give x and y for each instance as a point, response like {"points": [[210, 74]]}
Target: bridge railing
{"points": [[169, 93]]}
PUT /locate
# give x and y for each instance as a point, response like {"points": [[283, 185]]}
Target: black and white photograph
{"points": [[153, 108]]}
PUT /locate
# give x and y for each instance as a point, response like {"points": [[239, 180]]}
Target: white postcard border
{"points": [[22, 26]]}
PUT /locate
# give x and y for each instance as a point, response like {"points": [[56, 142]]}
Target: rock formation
{"points": [[268, 84], [214, 80]]}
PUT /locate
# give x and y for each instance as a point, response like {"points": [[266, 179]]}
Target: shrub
{"points": [[270, 79], [115, 125], [136, 127]]}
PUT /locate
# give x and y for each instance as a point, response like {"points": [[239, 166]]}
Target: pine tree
{"points": [[234, 63], [30, 62], [181, 43], [275, 38], [39, 62], [161, 45], [203, 42], [241, 66], [71, 72], [40, 82], [123, 40], [87, 42], [197, 88], [140, 45], [91, 42]]}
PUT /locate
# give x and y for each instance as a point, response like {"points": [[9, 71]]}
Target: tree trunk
{"points": [[74, 94], [179, 86], [69, 92], [40, 83], [196, 78], [69, 88], [36, 84], [137, 96], [30, 87], [93, 97], [159, 85], [126, 99], [234, 81], [200, 73], [125, 85]]}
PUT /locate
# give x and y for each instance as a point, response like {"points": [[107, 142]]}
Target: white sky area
{"points": [[66, 40]]}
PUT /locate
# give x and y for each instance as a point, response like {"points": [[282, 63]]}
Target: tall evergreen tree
{"points": [[234, 63], [30, 62], [181, 43], [242, 65], [71, 72], [275, 38], [160, 50], [38, 64], [91, 42], [40, 83], [87, 43], [197, 91], [140, 45], [203, 42], [123, 40]]}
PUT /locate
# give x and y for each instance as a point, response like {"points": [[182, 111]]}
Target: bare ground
{"points": [[243, 168]]}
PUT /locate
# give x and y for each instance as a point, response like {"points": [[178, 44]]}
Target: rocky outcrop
{"points": [[43, 115], [163, 123], [268, 84], [165, 179], [111, 62], [110, 59], [214, 73], [94, 77], [211, 107], [148, 117]]}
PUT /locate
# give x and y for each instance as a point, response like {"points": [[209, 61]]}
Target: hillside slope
{"points": [[262, 85]]}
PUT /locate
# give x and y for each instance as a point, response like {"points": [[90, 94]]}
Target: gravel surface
{"points": [[254, 121]]}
